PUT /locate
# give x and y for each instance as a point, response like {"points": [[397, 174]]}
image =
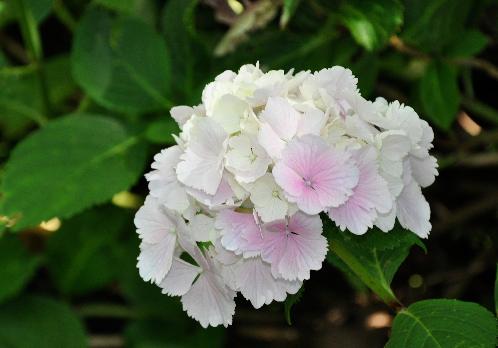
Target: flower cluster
{"points": [[254, 166]]}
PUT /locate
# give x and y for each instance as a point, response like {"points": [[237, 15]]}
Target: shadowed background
{"points": [[71, 185]]}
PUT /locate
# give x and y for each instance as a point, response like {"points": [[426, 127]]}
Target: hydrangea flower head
{"points": [[254, 167]]}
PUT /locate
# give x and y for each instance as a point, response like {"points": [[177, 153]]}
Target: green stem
{"points": [[31, 38], [64, 15], [480, 109]]}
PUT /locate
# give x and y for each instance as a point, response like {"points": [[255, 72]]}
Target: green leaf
{"points": [[439, 94], [432, 24], [467, 45], [20, 101], [371, 23], [290, 301], [160, 132], [443, 323], [374, 257], [34, 321], [69, 165], [189, 58], [78, 255], [17, 266], [39, 9], [289, 8], [121, 63], [60, 84]]}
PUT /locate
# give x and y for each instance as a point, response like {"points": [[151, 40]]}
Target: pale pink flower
{"points": [[240, 232], [157, 228], [204, 294], [294, 247], [201, 166], [314, 175], [369, 197], [279, 124], [163, 183]]}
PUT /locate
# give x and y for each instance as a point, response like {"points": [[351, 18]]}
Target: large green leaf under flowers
{"points": [[121, 63], [35, 321], [374, 257], [444, 323], [72, 163]]}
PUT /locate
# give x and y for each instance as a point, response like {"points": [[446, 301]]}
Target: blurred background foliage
{"points": [[85, 92]]}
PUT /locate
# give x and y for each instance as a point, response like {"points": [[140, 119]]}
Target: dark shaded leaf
{"points": [[439, 94], [34, 321], [17, 266], [121, 63]]}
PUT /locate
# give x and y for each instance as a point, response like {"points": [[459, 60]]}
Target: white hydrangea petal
{"points": [[201, 166], [154, 260], [312, 122], [163, 182], [271, 141], [413, 211], [386, 221], [179, 279], [202, 228], [181, 114], [256, 283], [268, 199], [153, 223], [246, 159], [210, 301], [424, 170], [228, 111], [281, 117]]}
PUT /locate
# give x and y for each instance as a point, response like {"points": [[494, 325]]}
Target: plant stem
{"points": [[31, 38], [481, 109], [64, 15]]}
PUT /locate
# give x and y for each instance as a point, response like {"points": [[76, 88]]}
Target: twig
{"points": [[468, 212], [105, 341], [14, 48], [478, 63], [481, 109], [398, 44], [64, 15]]}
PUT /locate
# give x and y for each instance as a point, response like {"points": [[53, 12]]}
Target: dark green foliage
{"points": [[34, 321], [372, 258], [85, 93]]}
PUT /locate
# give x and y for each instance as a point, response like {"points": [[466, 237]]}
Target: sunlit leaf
{"points": [[443, 323], [72, 163]]}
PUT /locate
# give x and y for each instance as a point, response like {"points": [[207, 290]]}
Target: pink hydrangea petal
{"points": [[294, 249], [240, 233], [371, 194], [314, 175]]}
